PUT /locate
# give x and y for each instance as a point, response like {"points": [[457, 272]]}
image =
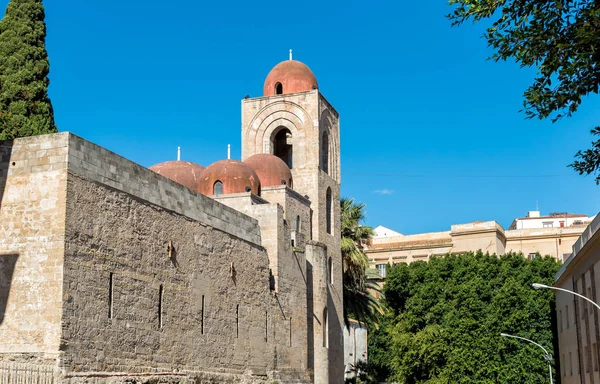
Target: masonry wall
{"points": [[33, 182], [129, 306]]}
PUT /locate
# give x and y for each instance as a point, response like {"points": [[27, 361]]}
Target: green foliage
{"points": [[590, 159], [560, 38], [25, 108], [446, 317], [359, 302]]}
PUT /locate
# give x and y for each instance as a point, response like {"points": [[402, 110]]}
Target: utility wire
{"points": [[407, 175]]}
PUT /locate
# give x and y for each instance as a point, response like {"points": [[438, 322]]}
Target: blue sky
{"points": [[431, 133]]}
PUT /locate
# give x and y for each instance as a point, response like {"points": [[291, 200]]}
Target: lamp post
{"points": [[542, 286], [547, 355]]}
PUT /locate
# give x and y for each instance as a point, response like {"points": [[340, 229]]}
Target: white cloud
{"points": [[384, 191]]}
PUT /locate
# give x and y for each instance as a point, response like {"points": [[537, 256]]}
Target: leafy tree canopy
{"points": [[25, 108], [561, 38], [447, 315]]}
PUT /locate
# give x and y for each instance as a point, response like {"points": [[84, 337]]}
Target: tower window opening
{"points": [[328, 208], [325, 152], [325, 329], [298, 223], [218, 188], [237, 321], [278, 89], [283, 147], [330, 270]]}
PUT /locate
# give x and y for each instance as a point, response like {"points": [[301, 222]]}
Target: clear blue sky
{"points": [[431, 133]]}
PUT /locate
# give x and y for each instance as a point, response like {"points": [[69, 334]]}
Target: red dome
{"points": [[271, 170], [183, 172], [234, 175], [292, 75]]}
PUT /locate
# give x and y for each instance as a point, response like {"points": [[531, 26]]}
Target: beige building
{"points": [[578, 321], [112, 272], [389, 247]]}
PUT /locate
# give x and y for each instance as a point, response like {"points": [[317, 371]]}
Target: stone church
{"points": [[112, 272]]}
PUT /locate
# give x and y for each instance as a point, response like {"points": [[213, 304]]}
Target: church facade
{"points": [[110, 271]]}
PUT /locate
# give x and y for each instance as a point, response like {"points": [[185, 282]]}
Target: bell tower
{"points": [[295, 122]]}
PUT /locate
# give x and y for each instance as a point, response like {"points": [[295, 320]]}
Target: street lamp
{"points": [[547, 355], [541, 286]]}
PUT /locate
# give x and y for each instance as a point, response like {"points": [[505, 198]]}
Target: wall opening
{"points": [[202, 317], [328, 209], [160, 306], [298, 223], [330, 270], [237, 321], [325, 329], [110, 296], [283, 147], [218, 188], [278, 88], [325, 152], [266, 327], [290, 331], [271, 280]]}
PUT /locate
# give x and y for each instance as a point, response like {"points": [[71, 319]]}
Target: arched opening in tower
{"points": [[283, 147], [325, 152], [278, 89]]}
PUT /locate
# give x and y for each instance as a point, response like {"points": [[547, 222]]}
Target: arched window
{"points": [[297, 223], [282, 145], [328, 208], [278, 89], [218, 188], [325, 329], [325, 152], [330, 270]]}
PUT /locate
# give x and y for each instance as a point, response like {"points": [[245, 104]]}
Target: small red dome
{"points": [[183, 172], [288, 77], [234, 176], [271, 170]]}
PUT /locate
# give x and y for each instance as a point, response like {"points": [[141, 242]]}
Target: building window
{"points": [[570, 364], [297, 223], [381, 269], [283, 148], [567, 316], [330, 270], [560, 321], [278, 89], [547, 224], [325, 152], [328, 208], [218, 188], [533, 256], [586, 362]]}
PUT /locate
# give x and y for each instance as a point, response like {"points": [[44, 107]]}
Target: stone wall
{"points": [[130, 306], [33, 181], [119, 272]]}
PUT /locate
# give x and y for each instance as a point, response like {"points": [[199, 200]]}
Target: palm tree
{"points": [[359, 303]]}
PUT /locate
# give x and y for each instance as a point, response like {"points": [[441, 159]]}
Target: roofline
{"points": [[589, 235]]}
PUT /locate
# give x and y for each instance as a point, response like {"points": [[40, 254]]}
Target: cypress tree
{"points": [[25, 108]]}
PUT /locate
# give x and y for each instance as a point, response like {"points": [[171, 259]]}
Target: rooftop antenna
{"points": [[178, 153], [290, 54], [228, 151]]}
